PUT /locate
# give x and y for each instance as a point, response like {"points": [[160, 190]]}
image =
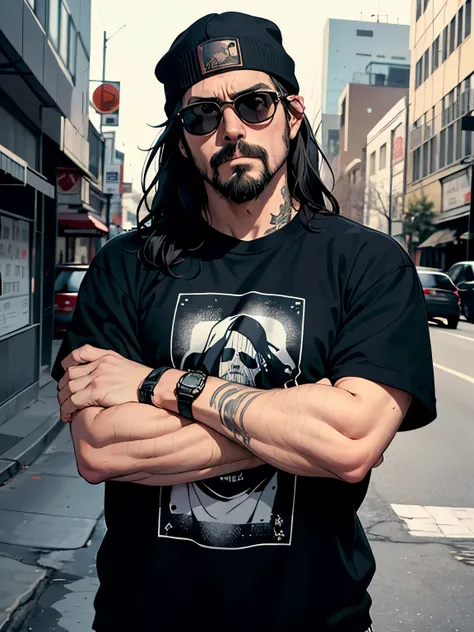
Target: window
{"points": [[438, 281], [343, 113], [459, 147], [53, 30], [442, 149], [372, 164], [72, 54], [435, 55], [418, 9], [426, 64], [460, 26], [424, 161], [69, 280], [362, 33], [333, 142], [467, 19], [64, 34], [32, 4], [467, 144], [433, 154], [416, 164], [452, 35], [363, 54], [383, 157], [419, 73], [399, 58], [450, 152], [445, 44]]}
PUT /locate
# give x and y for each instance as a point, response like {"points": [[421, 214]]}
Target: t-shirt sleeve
{"points": [[105, 316], [385, 337]]}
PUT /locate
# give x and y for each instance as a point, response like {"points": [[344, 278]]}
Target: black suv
{"points": [[462, 275]]}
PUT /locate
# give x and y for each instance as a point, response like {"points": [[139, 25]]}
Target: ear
{"points": [[297, 108], [182, 149]]}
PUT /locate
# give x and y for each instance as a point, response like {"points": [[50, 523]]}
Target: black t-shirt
{"points": [[262, 549]]}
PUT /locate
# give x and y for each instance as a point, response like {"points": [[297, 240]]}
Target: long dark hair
{"points": [[172, 227]]}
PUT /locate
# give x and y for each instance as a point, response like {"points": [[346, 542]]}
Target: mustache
{"points": [[245, 149]]}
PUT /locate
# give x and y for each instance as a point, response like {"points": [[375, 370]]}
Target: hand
{"points": [[98, 377]]}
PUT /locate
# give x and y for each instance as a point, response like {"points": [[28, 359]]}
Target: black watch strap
{"points": [[189, 387], [145, 391]]}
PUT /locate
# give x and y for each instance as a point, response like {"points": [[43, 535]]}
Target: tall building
{"points": [[44, 126], [441, 93], [385, 172], [349, 47], [361, 107]]}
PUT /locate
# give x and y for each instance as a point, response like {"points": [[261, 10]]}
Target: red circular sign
{"points": [[106, 98]]}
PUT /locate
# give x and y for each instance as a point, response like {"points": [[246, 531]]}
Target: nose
{"points": [[232, 128]]}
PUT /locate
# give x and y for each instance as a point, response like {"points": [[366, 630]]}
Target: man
{"points": [[236, 368]]}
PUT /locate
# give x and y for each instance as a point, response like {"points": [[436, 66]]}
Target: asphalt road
{"points": [[424, 582]]}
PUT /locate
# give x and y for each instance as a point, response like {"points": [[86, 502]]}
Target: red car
{"points": [[69, 277]]}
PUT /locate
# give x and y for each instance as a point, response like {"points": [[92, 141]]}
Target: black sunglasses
{"points": [[204, 117]]}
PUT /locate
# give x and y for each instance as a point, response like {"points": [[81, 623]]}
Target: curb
{"points": [[26, 451]]}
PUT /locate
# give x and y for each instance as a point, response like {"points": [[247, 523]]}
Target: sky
{"points": [[152, 25]]}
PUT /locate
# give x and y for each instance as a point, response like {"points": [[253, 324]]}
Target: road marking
{"points": [[437, 522], [445, 333], [468, 378]]}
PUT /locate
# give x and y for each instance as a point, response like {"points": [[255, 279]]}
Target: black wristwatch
{"points": [[145, 390], [189, 387]]}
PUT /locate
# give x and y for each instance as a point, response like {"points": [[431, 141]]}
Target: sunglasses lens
{"points": [[255, 107], [202, 118]]}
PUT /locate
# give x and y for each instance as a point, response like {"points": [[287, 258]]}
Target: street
{"points": [[419, 516]]}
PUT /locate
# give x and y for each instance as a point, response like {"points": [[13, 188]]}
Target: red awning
{"points": [[81, 223]]}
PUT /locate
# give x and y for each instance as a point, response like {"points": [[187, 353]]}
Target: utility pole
{"points": [[104, 67], [467, 124]]}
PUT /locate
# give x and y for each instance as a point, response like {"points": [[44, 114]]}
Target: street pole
{"points": [[470, 222], [104, 64], [390, 190]]}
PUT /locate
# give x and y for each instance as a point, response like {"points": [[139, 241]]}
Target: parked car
{"points": [[462, 275], [69, 277], [441, 296]]}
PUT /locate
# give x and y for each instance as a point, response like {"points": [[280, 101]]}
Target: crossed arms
{"points": [[321, 430]]}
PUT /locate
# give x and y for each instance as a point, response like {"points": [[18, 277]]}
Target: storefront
{"points": [[80, 237], [447, 245], [27, 231]]}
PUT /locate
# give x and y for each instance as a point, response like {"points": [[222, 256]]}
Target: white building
{"points": [[385, 172], [349, 46]]}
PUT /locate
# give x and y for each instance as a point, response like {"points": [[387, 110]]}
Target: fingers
{"points": [[324, 382], [75, 372], [73, 387], [86, 353], [76, 402]]}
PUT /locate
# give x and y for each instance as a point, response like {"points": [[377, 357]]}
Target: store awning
{"points": [[439, 238], [13, 165], [81, 224]]}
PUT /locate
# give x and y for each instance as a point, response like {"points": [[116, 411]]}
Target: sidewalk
{"points": [[24, 436], [46, 506]]}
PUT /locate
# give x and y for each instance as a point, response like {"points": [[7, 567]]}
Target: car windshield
{"points": [[69, 280], [436, 281]]}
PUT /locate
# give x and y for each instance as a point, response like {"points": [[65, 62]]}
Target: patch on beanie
{"points": [[216, 54]]}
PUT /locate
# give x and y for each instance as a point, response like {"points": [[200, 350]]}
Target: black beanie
{"points": [[221, 42]]}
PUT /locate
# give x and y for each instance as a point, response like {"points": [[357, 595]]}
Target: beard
{"points": [[241, 187]]}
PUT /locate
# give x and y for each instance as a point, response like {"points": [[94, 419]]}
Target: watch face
{"points": [[193, 380]]}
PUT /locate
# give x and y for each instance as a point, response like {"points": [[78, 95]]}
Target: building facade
{"points": [[44, 61], [385, 172], [361, 107], [348, 48], [441, 93]]}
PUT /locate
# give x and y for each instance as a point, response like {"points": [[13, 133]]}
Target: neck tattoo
{"points": [[283, 217]]}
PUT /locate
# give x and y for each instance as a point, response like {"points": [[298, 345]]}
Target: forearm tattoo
{"points": [[228, 399], [283, 217]]}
